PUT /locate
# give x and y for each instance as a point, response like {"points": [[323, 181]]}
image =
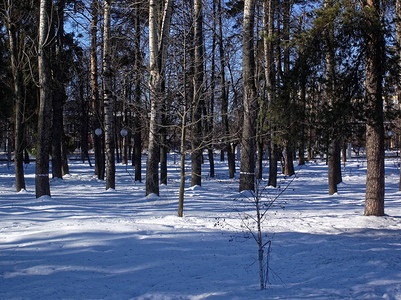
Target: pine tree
{"points": [[374, 41]]}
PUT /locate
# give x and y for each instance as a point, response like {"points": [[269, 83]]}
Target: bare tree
{"points": [[247, 171], [158, 43], [42, 183], [183, 121], [374, 61]]}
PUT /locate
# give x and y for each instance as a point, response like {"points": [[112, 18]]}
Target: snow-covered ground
{"points": [[88, 243]]}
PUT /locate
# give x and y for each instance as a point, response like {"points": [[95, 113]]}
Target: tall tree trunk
{"points": [[183, 125], [18, 103], [58, 94], [334, 163], [374, 201], [210, 110], [198, 95], [288, 143], [262, 101], [268, 11], [152, 163], [247, 172], [42, 183], [96, 104], [398, 38], [224, 98], [108, 99], [137, 112], [157, 57]]}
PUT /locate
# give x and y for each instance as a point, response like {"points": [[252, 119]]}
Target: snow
{"points": [[86, 243]]}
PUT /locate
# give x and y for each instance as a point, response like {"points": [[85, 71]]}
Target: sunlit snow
{"points": [[84, 242]]}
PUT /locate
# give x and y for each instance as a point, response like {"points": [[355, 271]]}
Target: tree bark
{"points": [[398, 38], [152, 163], [108, 99], [247, 172], [198, 95], [18, 102], [210, 108], [302, 143], [157, 56], [137, 112], [224, 98], [259, 159], [163, 149], [58, 93], [334, 163], [163, 134], [268, 11], [42, 184], [96, 104], [374, 200], [183, 126], [288, 143]]}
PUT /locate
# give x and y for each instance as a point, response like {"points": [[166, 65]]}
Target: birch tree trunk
{"points": [[157, 56], [42, 184], [247, 171], [374, 200], [198, 100], [18, 99], [108, 99]]}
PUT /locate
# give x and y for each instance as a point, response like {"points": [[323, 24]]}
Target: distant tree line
{"points": [[289, 79]]}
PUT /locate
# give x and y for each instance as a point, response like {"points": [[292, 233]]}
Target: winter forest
{"points": [[200, 149]]}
